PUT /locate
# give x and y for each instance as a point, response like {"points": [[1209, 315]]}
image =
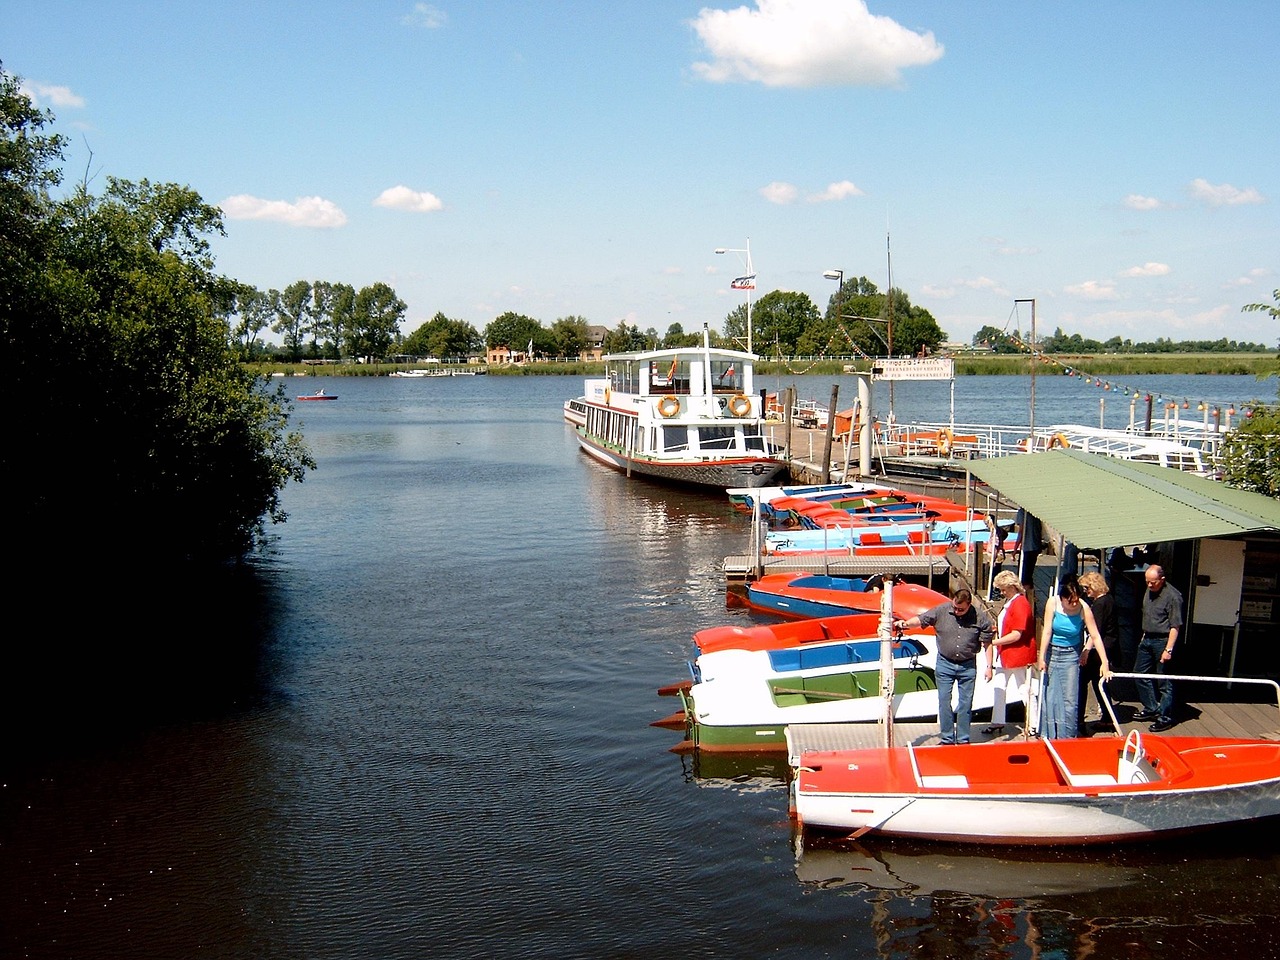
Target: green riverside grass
{"points": [[1100, 364]]}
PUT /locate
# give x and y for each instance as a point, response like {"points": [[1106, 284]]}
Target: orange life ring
{"points": [[1058, 440], [668, 406], [945, 440], [740, 406]]}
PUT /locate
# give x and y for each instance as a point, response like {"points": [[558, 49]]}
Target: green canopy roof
{"points": [[1096, 501]]}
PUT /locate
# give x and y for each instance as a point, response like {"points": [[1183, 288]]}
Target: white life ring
{"points": [[740, 406], [668, 406]]}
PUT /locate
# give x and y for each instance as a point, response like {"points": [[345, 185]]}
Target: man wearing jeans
{"points": [[962, 631], [1161, 623]]}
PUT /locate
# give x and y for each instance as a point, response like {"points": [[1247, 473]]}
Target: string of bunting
{"points": [[1216, 408], [822, 354]]}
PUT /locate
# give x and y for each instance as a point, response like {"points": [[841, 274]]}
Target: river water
{"points": [[418, 726]]}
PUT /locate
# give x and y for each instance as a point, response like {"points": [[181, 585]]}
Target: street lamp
{"points": [[838, 277], [746, 282]]}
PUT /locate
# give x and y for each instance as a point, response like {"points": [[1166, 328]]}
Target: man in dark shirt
{"points": [[1161, 624], [961, 630]]}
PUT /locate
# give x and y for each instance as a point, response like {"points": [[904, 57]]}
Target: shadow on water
{"points": [[130, 650]]}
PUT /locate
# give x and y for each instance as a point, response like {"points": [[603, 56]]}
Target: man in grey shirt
{"points": [[1161, 624], [961, 630]]}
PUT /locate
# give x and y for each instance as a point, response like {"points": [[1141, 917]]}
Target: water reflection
{"points": [[1209, 894]]}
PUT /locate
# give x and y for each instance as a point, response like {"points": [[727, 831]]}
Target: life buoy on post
{"points": [[1058, 440], [945, 441], [668, 406], [740, 406]]}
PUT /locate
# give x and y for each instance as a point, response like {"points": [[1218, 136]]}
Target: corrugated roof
{"points": [[1096, 501]]}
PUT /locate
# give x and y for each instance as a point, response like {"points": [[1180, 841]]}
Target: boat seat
{"points": [[867, 539], [1091, 780], [953, 781]]}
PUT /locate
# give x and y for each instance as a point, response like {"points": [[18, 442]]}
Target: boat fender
{"points": [[607, 396], [668, 406], [945, 440], [740, 406], [1058, 440]]}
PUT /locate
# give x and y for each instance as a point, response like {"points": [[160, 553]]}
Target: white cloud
{"points": [[836, 191], [1136, 201], [1147, 270], [1092, 290], [1223, 194], [424, 15], [780, 192], [938, 293], [402, 198], [49, 94], [1252, 277], [303, 212], [809, 43], [984, 283]]}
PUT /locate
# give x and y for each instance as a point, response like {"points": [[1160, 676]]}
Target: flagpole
{"points": [[747, 283]]}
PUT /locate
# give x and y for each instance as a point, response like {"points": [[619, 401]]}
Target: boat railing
{"points": [[1228, 681], [982, 441]]}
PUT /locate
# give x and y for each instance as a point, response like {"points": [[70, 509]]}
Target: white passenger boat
{"points": [[687, 415]]}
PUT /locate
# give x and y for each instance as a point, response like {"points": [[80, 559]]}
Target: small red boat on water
{"points": [[319, 395], [1051, 792]]}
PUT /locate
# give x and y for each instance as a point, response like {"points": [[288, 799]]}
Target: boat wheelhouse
{"points": [[685, 415]]}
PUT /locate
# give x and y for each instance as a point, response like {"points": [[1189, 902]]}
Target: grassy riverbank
{"points": [[1105, 365]]}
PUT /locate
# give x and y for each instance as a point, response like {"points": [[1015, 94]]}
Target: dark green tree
{"points": [[375, 321], [443, 339], [513, 331], [624, 338], [292, 316], [778, 321], [166, 446], [569, 336]]}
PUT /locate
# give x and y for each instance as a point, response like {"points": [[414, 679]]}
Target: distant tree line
{"points": [[1001, 341]]}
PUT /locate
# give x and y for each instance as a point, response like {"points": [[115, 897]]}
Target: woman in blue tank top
{"points": [[1069, 632]]}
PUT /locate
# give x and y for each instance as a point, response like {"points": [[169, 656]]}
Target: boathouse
{"points": [[1219, 546]]}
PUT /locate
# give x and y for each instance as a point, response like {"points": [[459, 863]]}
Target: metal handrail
{"points": [[1115, 723]]}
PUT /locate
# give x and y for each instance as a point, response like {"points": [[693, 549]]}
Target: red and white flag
{"points": [[744, 283]]}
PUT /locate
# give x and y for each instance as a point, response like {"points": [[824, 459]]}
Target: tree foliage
{"points": [[132, 423], [443, 339]]}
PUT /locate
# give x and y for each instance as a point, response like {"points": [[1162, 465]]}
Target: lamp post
{"points": [[746, 282], [838, 277]]}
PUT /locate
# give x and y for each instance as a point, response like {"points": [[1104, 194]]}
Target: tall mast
{"points": [[889, 323]]}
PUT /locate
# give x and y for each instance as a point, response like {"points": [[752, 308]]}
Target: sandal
{"points": [[993, 729]]}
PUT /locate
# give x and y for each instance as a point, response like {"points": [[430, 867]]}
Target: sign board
{"points": [[925, 368]]}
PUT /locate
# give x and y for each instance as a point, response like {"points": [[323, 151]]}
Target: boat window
{"points": [[669, 377], [715, 438], [625, 376], [675, 438], [726, 376]]}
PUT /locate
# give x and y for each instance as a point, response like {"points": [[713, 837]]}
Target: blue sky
{"points": [[1115, 162]]}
